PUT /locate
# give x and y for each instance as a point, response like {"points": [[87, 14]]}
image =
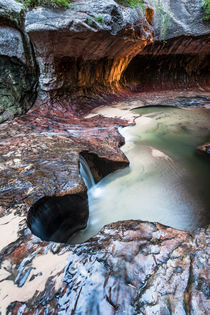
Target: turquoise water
{"points": [[166, 181]]}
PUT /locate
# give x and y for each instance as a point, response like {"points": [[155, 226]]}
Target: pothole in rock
{"points": [[166, 182], [57, 218]]}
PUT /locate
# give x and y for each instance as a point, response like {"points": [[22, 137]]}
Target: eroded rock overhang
{"points": [[88, 46], [178, 58], [179, 63], [93, 48]]}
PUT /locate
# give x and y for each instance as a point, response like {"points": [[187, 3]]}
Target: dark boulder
{"points": [[18, 73]]}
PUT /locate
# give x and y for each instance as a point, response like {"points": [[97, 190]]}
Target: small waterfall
{"points": [[86, 173]]}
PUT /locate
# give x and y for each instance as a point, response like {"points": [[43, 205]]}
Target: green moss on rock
{"points": [[46, 3], [206, 7]]}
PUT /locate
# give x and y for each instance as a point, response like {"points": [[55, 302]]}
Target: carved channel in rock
{"points": [[57, 218], [166, 181]]}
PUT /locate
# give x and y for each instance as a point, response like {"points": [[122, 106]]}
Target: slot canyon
{"points": [[104, 157]]}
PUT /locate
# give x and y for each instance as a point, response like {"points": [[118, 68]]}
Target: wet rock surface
{"points": [[40, 159], [40, 154], [132, 266], [139, 268], [186, 102]]}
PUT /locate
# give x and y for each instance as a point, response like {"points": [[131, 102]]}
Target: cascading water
{"points": [[58, 218], [86, 173], [166, 181]]}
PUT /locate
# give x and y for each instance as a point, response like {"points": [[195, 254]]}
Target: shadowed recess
{"points": [[101, 167], [160, 72], [57, 218]]}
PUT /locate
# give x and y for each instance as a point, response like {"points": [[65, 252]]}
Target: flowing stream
{"points": [[166, 182]]}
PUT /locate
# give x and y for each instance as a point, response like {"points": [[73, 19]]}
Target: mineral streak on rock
{"points": [[150, 72], [130, 267], [77, 50], [40, 158]]}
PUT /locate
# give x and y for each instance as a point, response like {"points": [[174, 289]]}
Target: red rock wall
{"points": [[178, 63], [165, 72]]}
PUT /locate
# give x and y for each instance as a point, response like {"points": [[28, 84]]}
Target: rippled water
{"points": [[166, 181]]}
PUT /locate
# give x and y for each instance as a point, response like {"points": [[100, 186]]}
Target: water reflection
{"points": [[165, 182]]}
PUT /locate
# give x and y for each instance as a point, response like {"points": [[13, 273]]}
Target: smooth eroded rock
{"points": [[179, 55], [57, 218], [87, 46], [130, 267], [177, 18]]}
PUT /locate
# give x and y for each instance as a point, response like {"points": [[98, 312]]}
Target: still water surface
{"points": [[166, 181]]}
